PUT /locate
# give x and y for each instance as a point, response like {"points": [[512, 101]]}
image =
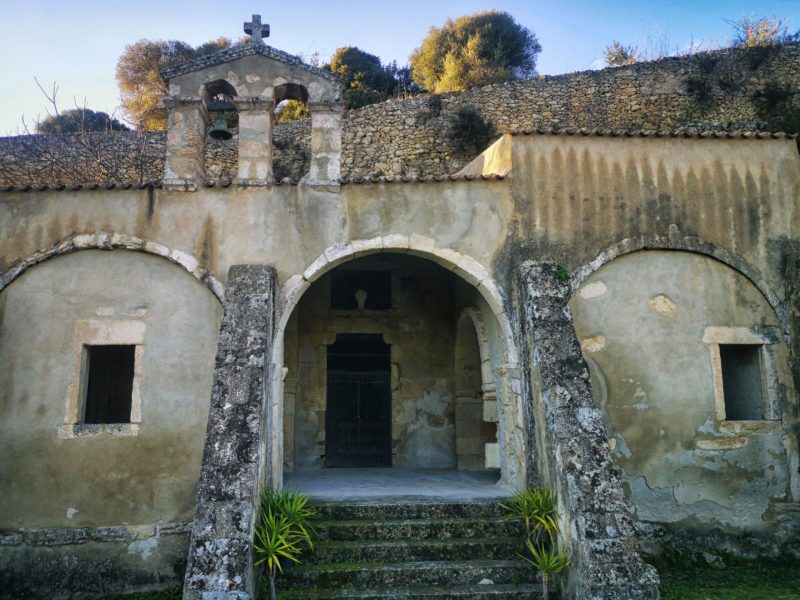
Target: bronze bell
{"points": [[220, 129]]}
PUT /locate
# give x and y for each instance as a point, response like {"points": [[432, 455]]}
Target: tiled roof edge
{"points": [[76, 187], [675, 133]]}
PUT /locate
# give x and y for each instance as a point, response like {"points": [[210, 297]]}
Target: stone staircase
{"points": [[413, 551]]}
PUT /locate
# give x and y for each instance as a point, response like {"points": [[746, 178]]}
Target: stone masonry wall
{"points": [[132, 157], [714, 90], [720, 90]]}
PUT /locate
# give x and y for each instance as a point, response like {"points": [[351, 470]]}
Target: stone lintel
{"points": [[254, 182], [336, 107], [170, 102], [574, 454], [265, 103], [179, 185]]}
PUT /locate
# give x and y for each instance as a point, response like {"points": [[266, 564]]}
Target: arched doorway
{"points": [[403, 317]]}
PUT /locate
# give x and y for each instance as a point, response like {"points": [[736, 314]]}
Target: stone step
{"points": [[404, 574], [501, 548], [530, 591], [351, 511], [403, 529]]}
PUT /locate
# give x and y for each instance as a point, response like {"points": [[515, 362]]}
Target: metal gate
{"points": [[358, 424]]}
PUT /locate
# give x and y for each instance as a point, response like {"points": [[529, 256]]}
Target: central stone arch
{"points": [[483, 307]]}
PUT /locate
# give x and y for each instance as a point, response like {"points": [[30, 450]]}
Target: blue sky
{"points": [[76, 43]]}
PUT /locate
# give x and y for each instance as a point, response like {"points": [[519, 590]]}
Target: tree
{"points": [[618, 55], [366, 80], [292, 110], [751, 32], [139, 78], [77, 120], [474, 50]]}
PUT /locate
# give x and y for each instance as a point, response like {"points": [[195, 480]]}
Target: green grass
{"points": [[685, 578]]}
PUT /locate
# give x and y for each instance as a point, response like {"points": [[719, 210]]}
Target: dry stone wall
{"points": [[710, 91], [722, 90]]}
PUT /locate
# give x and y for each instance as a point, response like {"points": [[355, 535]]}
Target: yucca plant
{"points": [[294, 507], [283, 530], [548, 562], [536, 508]]}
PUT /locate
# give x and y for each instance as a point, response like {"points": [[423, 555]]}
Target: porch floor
{"points": [[397, 485]]}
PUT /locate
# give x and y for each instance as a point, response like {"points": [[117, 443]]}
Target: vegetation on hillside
{"points": [[747, 32], [78, 119]]}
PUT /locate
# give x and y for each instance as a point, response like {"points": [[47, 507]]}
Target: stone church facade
{"points": [[610, 312]]}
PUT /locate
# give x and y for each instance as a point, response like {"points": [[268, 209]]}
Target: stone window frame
{"points": [[94, 332], [765, 338]]}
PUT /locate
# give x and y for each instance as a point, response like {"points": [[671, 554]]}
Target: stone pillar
{"points": [[184, 166], [255, 140], [491, 451], [469, 449], [326, 145], [220, 553], [574, 457]]}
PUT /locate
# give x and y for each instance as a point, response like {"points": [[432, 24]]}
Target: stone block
{"points": [[492, 456], [471, 462], [468, 418], [490, 411], [468, 445]]}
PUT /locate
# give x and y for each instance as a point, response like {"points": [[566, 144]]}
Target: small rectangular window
{"points": [[109, 385], [742, 382], [371, 290]]}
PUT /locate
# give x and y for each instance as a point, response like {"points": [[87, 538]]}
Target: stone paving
{"points": [[406, 485]]}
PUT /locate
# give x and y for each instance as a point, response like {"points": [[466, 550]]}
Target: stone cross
{"points": [[256, 30]]}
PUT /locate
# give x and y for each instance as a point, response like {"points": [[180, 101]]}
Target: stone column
{"points": [[220, 553], [186, 143], [574, 457], [326, 145], [469, 415], [491, 451], [255, 140]]}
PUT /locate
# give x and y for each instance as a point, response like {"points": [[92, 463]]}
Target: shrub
{"points": [[283, 531], [471, 132]]}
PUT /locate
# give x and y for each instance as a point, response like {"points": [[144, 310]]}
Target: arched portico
{"points": [[482, 311]]}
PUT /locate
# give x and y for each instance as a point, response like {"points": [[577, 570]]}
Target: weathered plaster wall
{"points": [[288, 226], [104, 481], [575, 200], [569, 199], [641, 320]]}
